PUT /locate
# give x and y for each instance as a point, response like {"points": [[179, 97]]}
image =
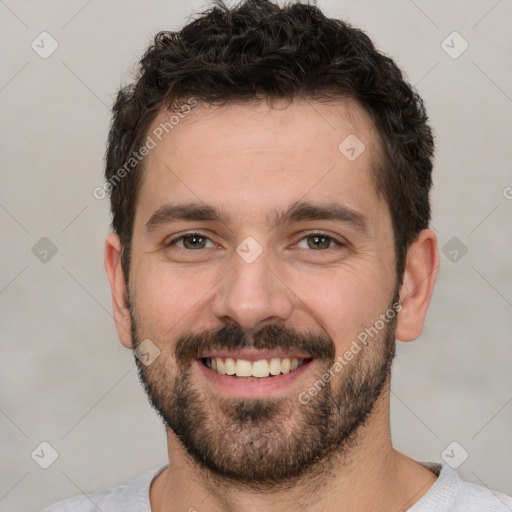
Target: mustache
{"points": [[271, 336]]}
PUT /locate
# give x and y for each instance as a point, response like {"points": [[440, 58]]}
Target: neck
{"points": [[372, 475]]}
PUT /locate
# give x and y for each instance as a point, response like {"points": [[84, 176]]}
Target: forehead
{"points": [[257, 156], [317, 126]]}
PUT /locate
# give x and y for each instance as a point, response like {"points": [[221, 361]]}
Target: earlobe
{"points": [[115, 274], [420, 274]]}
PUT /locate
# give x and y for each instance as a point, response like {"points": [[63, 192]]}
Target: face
{"points": [[260, 253]]}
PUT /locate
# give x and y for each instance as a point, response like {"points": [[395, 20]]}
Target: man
{"points": [[269, 175]]}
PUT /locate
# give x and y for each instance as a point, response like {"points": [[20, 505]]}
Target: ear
{"points": [[118, 289], [420, 274]]}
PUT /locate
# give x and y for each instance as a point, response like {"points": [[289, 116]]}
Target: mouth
{"points": [[253, 370], [252, 374]]}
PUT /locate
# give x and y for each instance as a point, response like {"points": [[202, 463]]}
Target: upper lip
{"points": [[254, 354]]}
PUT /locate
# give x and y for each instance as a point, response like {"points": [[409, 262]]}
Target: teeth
{"points": [[275, 366], [243, 368], [229, 366], [221, 367], [260, 369], [285, 366]]}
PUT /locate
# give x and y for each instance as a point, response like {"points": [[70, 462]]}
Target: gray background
{"points": [[65, 379]]}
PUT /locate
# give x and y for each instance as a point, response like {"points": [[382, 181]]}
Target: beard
{"points": [[266, 443]]}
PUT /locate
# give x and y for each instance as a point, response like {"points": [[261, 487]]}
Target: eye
{"points": [[190, 241], [318, 241], [195, 241]]}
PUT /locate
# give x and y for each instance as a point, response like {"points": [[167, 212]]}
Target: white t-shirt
{"points": [[448, 494]]}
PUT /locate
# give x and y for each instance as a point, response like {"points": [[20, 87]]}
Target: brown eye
{"points": [[319, 241], [191, 241]]}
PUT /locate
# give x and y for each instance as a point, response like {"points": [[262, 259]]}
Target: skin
{"points": [[251, 159]]}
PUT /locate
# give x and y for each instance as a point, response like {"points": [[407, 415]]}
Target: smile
{"points": [[253, 373], [259, 369]]}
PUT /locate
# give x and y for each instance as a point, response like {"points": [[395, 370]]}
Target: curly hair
{"points": [[258, 50]]}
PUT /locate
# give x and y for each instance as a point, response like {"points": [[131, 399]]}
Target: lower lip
{"points": [[244, 388]]}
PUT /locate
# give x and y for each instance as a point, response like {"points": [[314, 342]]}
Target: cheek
{"points": [[165, 299], [343, 301]]}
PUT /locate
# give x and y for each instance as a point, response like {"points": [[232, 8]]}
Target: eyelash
{"points": [[195, 233]]}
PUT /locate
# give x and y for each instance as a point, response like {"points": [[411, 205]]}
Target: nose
{"points": [[253, 294]]}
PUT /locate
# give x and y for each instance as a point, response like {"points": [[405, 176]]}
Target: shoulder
{"points": [[130, 497], [452, 494], [76, 504], [477, 498]]}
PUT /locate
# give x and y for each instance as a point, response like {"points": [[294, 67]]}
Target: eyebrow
{"points": [[296, 212]]}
